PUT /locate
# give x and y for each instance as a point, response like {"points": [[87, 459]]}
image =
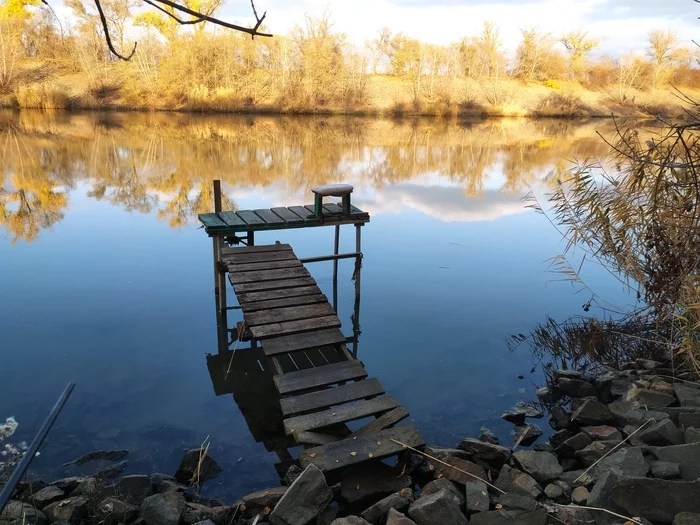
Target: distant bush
{"points": [[552, 84], [42, 96], [561, 104]]}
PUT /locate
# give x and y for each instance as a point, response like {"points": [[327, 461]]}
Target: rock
{"points": [[686, 518], [512, 480], [19, 513], [327, 515], [446, 453], [459, 476], [548, 394], [624, 462], [593, 452], [99, 455], [691, 435], [370, 482], [485, 454], [195, 513], [574, 443], [399, 501], [131, 489], [601, 497], [515, 517], [440, 484], [349, 520], [112, 511], [593, 412], [520, 411], [264, 498], [565, 487], [196, 466], [112, 471], [580, 495], [560, 417], [193, 496], [89, 487], [292, 473], [576, 387], [687, 395], [689, 419], [163, 509], [649, 398], [164, 483], [517, 502], [661, 433], [603, 433], [394, 517], [526, 435], [477, 494], [438, 508], [543, 447], [559, 437], [553, 491], [686, 456], [656, 499], [25, 490], [71, 509], [68, 484], [577, 478], [303, 500], [568, 374], [665, 470], [47, 495], [542, 466], [205, 522], [568, 463], [662, 386], [487, 436]]}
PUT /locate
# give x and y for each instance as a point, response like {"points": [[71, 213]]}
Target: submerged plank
{"points": [[247, 297], [348, 452], [293, 313], [387, 420], [331, 396], [295, 327], [288, 215], [283, 303], [238, 276], [316, 377], [265, 265], [273, 285], [290, 343]]}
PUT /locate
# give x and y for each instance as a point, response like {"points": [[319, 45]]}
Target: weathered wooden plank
{"points": [[310, 208], [294, 327], [288, 215], [348, 452], [238, 276], [385, 421], [314, 438], [277, 247], [304, 213], [269, 216], [245, 258], [250, 218], [283, 303], [317, 377], [231, 219], [331, 396], [273, 285], [331, 207], [339, 414], [293, 313], [290, 343], [266, 265], [211, 221], [249, 297]]}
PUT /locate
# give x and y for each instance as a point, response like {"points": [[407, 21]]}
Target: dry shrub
{"points": [[42, 96], [561, 104]]}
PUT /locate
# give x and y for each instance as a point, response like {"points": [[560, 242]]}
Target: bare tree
{"points": [[533, 52], [662, 45], [579, 45]]}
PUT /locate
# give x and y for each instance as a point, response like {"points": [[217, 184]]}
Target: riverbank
{"points": [[626, 441]]}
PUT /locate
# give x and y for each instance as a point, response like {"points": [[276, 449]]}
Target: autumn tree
{"points": [[14, 17], [662, 45], [534, 55], [579, 45]]}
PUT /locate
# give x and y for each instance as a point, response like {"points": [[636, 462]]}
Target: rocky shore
{"points": [[626, 449]]}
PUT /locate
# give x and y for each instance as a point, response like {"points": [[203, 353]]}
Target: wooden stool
{"points": [[332, 190]]}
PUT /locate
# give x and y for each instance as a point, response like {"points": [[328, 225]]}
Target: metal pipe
{"points": [[330, 257], [34, 447]]}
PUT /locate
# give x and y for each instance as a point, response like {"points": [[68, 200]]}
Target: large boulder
{"points": [[367, 483], [303, 500], [19, 513], [517, 502], [438, 508], [593, 452], [485, 454], [686, 456], [196, 466], [576, 387], [665, 470], [661, 433], [691, 435], [688, 396], [574, 443], [461, 471], [46, 496], [686, 518], [72, 509], [399, 501], [112, 511], [477, 496], [394, 517], [511, 480], [439, 484], [593, 412], [602, 433], [657, 500], [542, 466], [264, 498], [163, 509], [649, 398], [164, 483], [631, 413], [600, 497], [526, 435], [625, 462], [520, 411], [131, 489]]}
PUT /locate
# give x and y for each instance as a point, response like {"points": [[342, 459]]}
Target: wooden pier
{"points": [[320, 384]]}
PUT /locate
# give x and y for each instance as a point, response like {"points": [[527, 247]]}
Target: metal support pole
{"points": [[336, 246], [358, 259]]}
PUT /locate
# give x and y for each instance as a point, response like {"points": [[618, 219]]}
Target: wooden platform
{"points": [[321, 386]]}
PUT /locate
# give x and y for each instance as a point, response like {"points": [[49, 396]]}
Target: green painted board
{"points": [[250, 218], [302, 212], [332, 208], [211, 221], [231, 219], [269, 216], [288, 215]]}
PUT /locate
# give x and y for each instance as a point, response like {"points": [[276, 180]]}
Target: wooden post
{"points": [[336, 247], [220, 280], [355, 326], [250, 240], [358, 259]]}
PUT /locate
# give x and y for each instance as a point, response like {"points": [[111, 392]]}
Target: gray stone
{"points": [[559, 437], [543, 447], [112, 511], [89, 487], [580, 495], [303, 500], [47, 495], [600, 497], [477, 494], [131, 489], [560, 417], [594, 451], [461, 473], [686, 518], [593, 412], [487, 436], [574, 443], [542, 466], [553, 491], [164, 483], [394, 517], [526, 435], [520, 411], [512, 480], [576, 387], [111, 471], [565, 487], [568, 374], [689, 419], [687, 456], [438, 508], [440, 484], [205, 522], [662, 386], [661, 433], [517, 502], [579, 478], [656, 499], [485, 454], [71, 509], [19, 513], [349, 520], [691, 435], [367, 483], [399, 501], [220, 515], [69, 484], [602, 433], [649, 398], [327, 515], [665, 470], [687, 395], [548, 394], [623, 462], [630, 413], [264, 498], [196, 466], [515, 517], [163, 509]]}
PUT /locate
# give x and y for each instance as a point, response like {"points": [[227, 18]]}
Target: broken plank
{"points": [[317, 377], [331, 396], [348, 452], [257, 249], [288, 215], [231, 219], [385, 421], [314, 438], [283, 303], [293, 313], [269, 216], [247, 258], [273, 285], [294, 327], [339, 414], [238, 276], [247, 297], [265, 265], [290, 343]]}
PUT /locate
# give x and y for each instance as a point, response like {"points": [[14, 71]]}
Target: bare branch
{"points": [[171, 15], [108, 38]]}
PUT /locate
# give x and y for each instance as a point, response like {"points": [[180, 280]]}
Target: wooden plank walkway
{"points": [[322, 387]]}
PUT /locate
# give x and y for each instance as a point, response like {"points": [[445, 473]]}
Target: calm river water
{"points": [[107, 280]]}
